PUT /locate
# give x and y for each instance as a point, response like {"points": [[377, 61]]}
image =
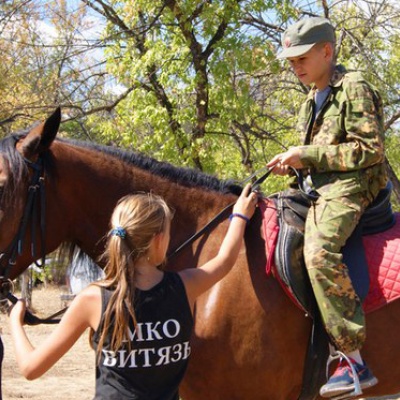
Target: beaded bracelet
{"points": [[239, 216]]}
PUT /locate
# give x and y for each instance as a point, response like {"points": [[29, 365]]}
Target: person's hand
{"points": [[246, 203], [17, 311], [282, 162]]}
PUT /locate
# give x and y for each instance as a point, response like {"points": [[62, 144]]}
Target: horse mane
{"points": [[184, 176], [16, 167], [188, 177]]}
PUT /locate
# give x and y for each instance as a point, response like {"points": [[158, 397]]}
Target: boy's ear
{"points": [[329, 50]]}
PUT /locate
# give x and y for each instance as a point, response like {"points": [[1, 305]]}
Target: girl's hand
{"points": [[17, 312], [246, 203]]}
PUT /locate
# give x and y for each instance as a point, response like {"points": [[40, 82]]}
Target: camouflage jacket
{"points": [[343, 144]]}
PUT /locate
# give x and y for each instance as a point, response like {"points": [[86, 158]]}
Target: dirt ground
{"points": [[71, 378]]}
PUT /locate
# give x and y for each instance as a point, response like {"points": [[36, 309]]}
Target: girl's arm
{"points": [[33, 362], [198, 280]]}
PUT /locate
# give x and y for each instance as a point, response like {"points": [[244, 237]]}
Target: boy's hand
{"points": [[281, 162]]}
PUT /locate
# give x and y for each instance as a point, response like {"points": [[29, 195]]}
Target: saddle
{"points": [[292, 208]]}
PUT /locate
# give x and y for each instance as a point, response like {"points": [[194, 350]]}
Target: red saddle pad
{"points": [[383, 256], [382, 252]]}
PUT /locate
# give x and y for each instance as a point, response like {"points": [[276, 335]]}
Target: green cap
{"points": [[304, 34]]}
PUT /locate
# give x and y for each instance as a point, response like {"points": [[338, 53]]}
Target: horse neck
{"points": [[90, 183]]}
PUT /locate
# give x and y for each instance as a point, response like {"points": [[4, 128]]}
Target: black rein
{"points": [[222, 214]]}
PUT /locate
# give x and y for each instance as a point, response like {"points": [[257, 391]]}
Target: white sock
{"points": [[356, 356]]}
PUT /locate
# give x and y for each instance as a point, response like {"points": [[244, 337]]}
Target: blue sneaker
{"points": [[342, 380]]}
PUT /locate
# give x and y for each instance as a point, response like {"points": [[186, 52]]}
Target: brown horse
{"points": [[250, 340]]}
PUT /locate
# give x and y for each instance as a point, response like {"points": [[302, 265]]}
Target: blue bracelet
{"points": [[239, 216]]}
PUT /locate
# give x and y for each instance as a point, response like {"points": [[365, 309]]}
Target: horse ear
{"points": [[50, 129], [41, 136]]}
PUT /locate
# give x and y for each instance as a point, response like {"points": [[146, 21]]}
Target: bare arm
{"points": [[33, 362], [198, 280]]}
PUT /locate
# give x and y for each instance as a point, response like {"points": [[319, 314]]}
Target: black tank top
{"points": [[156, 363]]}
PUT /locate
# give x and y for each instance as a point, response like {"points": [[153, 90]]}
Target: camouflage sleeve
{"points": [[362, 122]]}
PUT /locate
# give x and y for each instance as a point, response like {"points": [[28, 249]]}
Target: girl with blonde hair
{"points": [[140, 317]]}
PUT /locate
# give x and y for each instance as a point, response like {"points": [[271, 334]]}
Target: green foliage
{"points": [[195, 83], [369, 42], [163, 122]]}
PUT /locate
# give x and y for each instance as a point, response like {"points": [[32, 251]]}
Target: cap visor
{"points": [[295, 51]]}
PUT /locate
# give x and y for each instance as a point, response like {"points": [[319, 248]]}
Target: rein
{"points": [[221, 215], [31, 319]]}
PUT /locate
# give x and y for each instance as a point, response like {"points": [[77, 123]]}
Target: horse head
{"points": [[21, 181]]}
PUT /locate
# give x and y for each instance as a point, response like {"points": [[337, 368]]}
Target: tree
{"points": [[197, 83], [46, 62]]}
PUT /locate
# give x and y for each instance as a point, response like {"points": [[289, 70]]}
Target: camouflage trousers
{"points": [[329, 224]]}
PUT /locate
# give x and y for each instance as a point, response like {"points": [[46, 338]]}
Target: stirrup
{"points": [[336, 354]]}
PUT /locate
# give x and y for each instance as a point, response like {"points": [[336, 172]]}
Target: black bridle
{"points": [[36, 195], [36, 198]]}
